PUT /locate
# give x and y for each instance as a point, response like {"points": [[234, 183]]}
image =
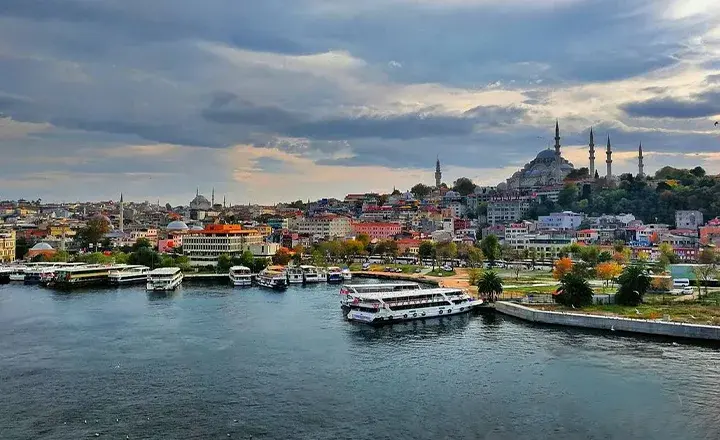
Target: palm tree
{"points": [[490, 285], [574, 291]]}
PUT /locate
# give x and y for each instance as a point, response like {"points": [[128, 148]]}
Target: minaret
{"points": [[212, 197], [122, 213], [609, 159], [592, 154], [224, 202], [438, 174], [641, 166], [557, 139], [197, 192]]}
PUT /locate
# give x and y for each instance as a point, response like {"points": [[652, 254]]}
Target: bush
{"points": [[474, 276], [574, 291]]}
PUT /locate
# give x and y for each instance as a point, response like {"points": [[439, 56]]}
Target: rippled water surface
{"points": [[212, 362]]}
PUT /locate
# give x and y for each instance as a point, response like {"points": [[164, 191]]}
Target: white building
{"points": [[688, 219], [326, 226], [561, 221], [507, 209], [543, 247], [204, 247], [516, 233]]}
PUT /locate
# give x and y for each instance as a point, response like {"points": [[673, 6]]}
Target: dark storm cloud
{"points": [[698, 106]]}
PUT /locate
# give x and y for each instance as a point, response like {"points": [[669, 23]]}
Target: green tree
{"points": [[474, 257], [490, 285], [364, 239], [420, 191], [141, 243], [574, 291], [464, 186], [704, 273], [568, 195], [93, 231], [446, 251], [224, 263], [634, 281], [427, 251], [22, 246], [490, 247]]}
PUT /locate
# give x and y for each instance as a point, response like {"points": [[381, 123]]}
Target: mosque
{"points": [[549, 168]]}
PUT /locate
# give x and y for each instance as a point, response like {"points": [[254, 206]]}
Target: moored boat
{"points": [[272, 278], [17, 272], [164, 278], [312, 274], [130, 274], [346, 274], [334, 275], [87, 275], [44, 273], [379, 308], [294, 275], [349, 291], [240, 276]]}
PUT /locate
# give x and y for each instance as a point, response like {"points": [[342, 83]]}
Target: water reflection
{"points": [[410, 330]]}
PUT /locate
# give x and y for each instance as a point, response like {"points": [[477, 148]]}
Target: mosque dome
{"points": [[547, 168], [177, 225], [42, 247], [196, 228], [200, 203], [452, 195]]}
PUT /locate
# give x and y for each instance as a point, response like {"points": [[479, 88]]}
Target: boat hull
{"points": [[385, 317], [151, 287], [140, 279], [273, 284], [335, 278], [241, 282]]}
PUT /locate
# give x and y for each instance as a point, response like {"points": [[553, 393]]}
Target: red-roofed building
{"points": [[587, 235], [710, 233], [408, 246]]}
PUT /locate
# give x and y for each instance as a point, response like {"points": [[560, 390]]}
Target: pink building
{"points": [[379, 230]]}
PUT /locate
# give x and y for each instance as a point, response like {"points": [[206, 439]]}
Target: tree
{"points": [[562, 267], [364, 239], [590, 254], [141, 243], [474, 276], [93, 231], [22, 246], [282, 256], [60, 257], [490, 247], [446, 251], [704, 273], [427, 251], [568, 195], [574, 291], [420, 191], [634, 282], [224, 263], [474, 257], [464, 186], [667, 256], [707, 256], [607, 271], [490, 285]]}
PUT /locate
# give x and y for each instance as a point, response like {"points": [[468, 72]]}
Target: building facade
{"points": [[561, 221], [688, 219], [7, 246], [507, 209], [326, 226], [377, 230], [204, 247]]}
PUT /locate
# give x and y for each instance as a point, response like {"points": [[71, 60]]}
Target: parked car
{"points": [[446, 268], [366, 266]]}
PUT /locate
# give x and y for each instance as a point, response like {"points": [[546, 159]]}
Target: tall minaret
{"points": [[592, 154], [122, 213], [608, 152], [212, 197], [557, 138], [438, 174], [641, 166]]}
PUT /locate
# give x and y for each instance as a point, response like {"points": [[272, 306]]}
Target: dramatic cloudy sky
{"points": [[283, 99]]}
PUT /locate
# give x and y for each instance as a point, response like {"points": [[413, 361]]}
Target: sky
{"points": [[279, 100]]}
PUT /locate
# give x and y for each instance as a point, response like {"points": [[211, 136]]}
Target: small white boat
{"points": [[312, 274], [164, 278], [346, 274], [294, 275], [240, 276], [131, 274], [272, 278]]}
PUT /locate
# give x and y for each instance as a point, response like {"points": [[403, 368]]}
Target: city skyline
{"points": [[246, 100]]}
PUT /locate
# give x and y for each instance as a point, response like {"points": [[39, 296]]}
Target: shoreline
{"points": [[610, 323]]}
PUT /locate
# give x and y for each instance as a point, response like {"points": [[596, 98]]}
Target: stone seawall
{"points": [[674, 329]]}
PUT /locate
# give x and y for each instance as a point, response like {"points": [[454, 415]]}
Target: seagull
{"points": [[612, 328], [637, 312], [117, 420], [85, 422]]}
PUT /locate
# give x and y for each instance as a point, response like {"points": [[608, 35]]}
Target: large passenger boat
{"points": [[130, 274], [44, 273], [350, 291], [164, 278], [240, 276], [312, 274], [87, 275], [294, 275], [386, 307], [272, 278]]}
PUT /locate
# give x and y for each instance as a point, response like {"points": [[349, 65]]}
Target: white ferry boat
{"points": [[349, 291], [164, 278], [334, 275], [17, 272], [240, 276], [44, 273], [294, 275], [385, 307], [130, 274], [346, 274], [312, 274], [272, 278]]}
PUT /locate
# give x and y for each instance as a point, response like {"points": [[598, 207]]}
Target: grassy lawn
{"points": [[531, 289], [691, 312], [406, 268]]}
